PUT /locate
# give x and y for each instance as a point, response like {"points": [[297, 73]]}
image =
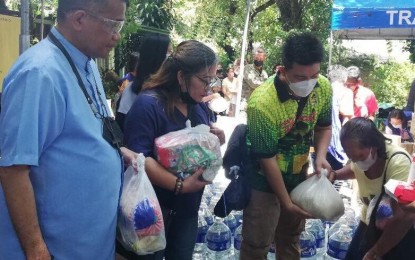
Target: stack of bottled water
{"points": [[315, 226], [339, 243], [237, 241], [308, 245], [218, 239], [199, 252]]}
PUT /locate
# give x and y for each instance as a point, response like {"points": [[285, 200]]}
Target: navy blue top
{"points": [[148, 120]]}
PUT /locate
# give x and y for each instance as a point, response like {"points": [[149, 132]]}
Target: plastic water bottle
{"points": [[237, 241], [218, 239], [238, 214], [231, 222], [336, 226], [199, 252], [207, 214], [308, 246], [315, 226], [339, 243], [272, 253]]}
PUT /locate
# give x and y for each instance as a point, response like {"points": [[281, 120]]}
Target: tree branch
{"points": [[261, 8]]}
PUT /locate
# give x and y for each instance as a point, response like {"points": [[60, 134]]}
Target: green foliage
{"points": [[142, 16], [391, 81], [410, 47]]}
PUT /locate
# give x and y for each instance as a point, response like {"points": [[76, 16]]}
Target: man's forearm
{"points": [[20, 200], [275, 180], [322, 137]]}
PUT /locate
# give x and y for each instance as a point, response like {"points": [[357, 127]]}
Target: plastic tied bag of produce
{"points": [[318, 196], [140, 221], [186, 150]]}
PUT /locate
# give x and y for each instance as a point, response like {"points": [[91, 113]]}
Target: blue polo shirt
{"points": [[47, 124], [147, 120]]}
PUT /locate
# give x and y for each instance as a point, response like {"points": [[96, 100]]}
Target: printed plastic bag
{"points": [[188, 149], [318, 196], [140, 221], [383, 213]]}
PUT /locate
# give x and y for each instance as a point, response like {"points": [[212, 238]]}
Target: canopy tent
{"points": [[373, 19]]}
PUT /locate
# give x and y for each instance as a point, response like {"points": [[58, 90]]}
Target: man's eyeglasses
{"points": [[114, 25], [208, 83]]}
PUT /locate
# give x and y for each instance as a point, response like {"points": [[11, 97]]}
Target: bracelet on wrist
{"points": [[178, 186]]}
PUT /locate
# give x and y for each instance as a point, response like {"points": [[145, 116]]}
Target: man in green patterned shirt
{"points": [[286, 114]]}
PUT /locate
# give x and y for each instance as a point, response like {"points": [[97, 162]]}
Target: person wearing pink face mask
{"points": [[374, 161]]}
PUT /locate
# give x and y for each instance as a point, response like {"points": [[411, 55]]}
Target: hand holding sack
{"points": [[318, 196], [189, 149], [140, 221]]}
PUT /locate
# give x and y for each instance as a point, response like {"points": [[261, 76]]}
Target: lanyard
{"points": [[58, 44]]}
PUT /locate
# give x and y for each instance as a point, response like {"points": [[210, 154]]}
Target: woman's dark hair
{"points": [[364, 131], [190, 57], [302, 48], [399, 114], [153, 50]]}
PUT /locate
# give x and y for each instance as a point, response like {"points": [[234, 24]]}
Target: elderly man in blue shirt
{"points": [[61, 162]]}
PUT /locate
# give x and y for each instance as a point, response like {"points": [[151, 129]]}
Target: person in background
{"points": [[365, 103], [254, 74], [169, 98], [128, 77], [154, 49], [230, 88], [341, 113], [286, 114], [397, 124], [60, 170], [372, 157], [411, 98]]}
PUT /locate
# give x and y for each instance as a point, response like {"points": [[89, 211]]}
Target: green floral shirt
{"points": [[274, 131]]}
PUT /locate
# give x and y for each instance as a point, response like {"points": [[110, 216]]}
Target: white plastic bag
{"points": [[319, 197], [188, 149], [140, 220]]}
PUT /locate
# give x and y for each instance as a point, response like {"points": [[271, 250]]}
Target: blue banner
{"points": [[352, 14]]}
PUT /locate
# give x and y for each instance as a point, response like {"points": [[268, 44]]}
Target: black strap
{"points": [[58, 44], [301, 105]]}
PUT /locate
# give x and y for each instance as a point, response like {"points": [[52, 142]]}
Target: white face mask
{"points": [[397, 126], [302, 88], [366, 164]]}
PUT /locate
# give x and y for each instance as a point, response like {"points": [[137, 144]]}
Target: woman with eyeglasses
{"points": [[168, 99]]}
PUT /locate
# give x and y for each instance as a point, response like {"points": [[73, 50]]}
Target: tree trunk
{"points": [[290, 14]]}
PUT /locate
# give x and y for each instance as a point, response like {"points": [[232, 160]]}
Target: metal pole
{"points": [[330, 50], [24, 39], [242, 64], [42, 22]]}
